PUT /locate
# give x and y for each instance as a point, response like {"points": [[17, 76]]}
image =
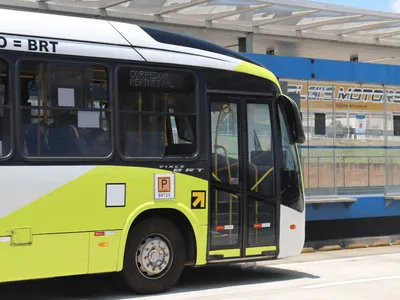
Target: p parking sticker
{"points": [[164, 186]]}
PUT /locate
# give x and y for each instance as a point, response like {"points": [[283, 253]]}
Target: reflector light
{"points": [[293, 226]]}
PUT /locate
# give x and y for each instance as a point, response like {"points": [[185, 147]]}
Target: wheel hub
{"points": [[153, 257]]}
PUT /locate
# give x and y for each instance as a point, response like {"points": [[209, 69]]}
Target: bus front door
{"points": [[243, 207]]}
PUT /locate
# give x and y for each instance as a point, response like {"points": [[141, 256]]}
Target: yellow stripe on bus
{"points": [[230, 253], [259, 250], [255, 70]]}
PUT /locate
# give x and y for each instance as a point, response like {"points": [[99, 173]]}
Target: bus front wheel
{"points": [[154, 257]]}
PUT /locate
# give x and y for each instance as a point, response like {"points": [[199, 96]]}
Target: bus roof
{"points": [[113, 39]]}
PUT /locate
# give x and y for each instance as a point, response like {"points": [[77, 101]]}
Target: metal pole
{"points": [[308, 140], [318, 171], [344, 171], [385, 138], [368, 173], [335, 192]]}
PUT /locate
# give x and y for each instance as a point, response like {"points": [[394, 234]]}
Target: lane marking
{"points": [[329, 284], [331, 259], [316, 261], [345, 250]]}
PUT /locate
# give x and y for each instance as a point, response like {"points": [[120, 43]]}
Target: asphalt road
{"points": [[348, 274]]}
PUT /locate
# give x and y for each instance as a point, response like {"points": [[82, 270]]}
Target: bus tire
{"points": [[154, 257]]}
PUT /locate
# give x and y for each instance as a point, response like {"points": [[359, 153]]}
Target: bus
{"points": [[131, 150]]}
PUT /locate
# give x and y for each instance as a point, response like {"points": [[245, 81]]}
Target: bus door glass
{"points": [[260, 205], [225, 192], [243, 207]]}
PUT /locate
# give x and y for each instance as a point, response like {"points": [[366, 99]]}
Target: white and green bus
{"points": [[133, 150]]}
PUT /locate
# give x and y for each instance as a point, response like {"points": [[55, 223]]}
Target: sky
{"points": [[383, 5]]}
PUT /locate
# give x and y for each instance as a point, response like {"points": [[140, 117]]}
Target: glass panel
{"points": [[291, 185], [392, 132], [260, 176], [345, 149], [157, 112], [224, 142], [5, 124], [237, 81], [315, 100], [322, 125], [65, 110], [225, 169], [359, 142], [261, 223], [225, 219], [297, 90]]}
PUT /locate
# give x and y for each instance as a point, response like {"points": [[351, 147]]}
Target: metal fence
{"points": [[332, 175]]}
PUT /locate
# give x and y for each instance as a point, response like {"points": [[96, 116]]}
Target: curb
{"points": [[308, 250], [380, 244], [330, 248], [356, 246], [352, 243]]}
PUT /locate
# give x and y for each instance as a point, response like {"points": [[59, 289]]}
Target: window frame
{"points": [[198, 108], [10, 74], [63, 60]]}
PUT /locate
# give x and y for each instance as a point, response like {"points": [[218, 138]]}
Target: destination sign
{"points": [[144, 78]]}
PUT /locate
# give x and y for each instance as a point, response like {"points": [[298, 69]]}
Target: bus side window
{"points": [[157, 113], [64, 110], [5, 124]]}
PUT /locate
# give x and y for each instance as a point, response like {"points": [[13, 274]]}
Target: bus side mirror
{"points": [[296, 130]]}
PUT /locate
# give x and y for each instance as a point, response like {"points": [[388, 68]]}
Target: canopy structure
{"points": [[240, 18]]}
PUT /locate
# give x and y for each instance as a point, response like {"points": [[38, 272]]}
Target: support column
{"points": [[246, 44]]}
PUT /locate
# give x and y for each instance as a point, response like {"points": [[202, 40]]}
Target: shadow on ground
{"points": [[108, 286]]}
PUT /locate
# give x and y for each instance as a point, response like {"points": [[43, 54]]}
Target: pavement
{"points": [[368, 273]]}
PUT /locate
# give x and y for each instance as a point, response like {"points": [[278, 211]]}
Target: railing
{"points": [[344, 170], [351, 174]]}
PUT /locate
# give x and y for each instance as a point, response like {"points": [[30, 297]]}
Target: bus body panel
{"points": [[61, 219], [291, 241], [140, 39], [45, 256], [53, 25]]}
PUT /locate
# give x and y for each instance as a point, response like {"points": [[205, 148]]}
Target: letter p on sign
{"points": [[164, 185]]}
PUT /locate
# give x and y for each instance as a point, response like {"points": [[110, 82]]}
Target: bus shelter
{"points": [[284, 27]]}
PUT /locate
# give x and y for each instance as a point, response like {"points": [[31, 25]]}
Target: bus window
{"points": [[64, 110], [5, 140], [224, 142], [261, 162], [291, 185], [157, 113], [237, 81]]}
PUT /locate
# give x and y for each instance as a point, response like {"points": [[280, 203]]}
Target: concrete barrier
{"points": [[351, 243]]}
